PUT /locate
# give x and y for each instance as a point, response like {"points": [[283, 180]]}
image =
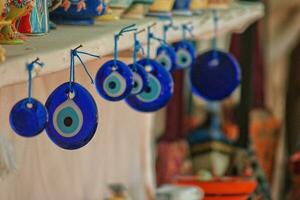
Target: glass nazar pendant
{"points": [[29, 117], [160, 85], [73, 113], [165, 54], [140, 76], [186, 52], [114, 80], [215, 74]]}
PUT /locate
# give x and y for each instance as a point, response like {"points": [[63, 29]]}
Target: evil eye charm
{"points": [[185, 54], [73, 116], [166, 56], [28, 117], [140, 78], [215, 75], [114, 82], [158, 91]]}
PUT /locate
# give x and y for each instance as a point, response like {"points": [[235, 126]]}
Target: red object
{"points": [[222, 189], [24, 25]]}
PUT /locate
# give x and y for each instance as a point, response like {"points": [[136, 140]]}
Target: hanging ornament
{"points": [[73, 113], [160, 85], [185, 49], [140, 76], [114, 80], [215, 74], [29, 117], [165, 54]]}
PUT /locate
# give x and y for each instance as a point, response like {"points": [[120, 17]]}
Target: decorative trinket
{"points": [[160, 85], [114, 80], [185, 50], [140, 76], [166, 54], [36, 22], [15, 10], [73, 113], [138, 9], [215, 74], [29, 117]]}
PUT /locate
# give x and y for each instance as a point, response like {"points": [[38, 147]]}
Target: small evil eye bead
{"points": [[114, 82], [215, 75], [185, 54], [140, 78], [158, 91], [28, 117], [73, 116], [166, 56]]}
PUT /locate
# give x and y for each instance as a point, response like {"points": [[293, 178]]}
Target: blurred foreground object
{"points": [[7, 157], [171, 192]]}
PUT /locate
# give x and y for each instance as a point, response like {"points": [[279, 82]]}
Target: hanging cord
{"points": [[149, 37], [187, 28], [75, 53], [117, 37], [137, 46], [167, 28], [214, 41], [30, 67]]}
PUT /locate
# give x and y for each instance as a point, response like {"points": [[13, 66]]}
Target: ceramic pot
{"points": [[78, 12], [16, 9], [138, 9], [36, 22], [161, 8]]}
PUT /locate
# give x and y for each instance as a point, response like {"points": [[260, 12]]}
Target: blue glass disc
{"points": [[28, 117], [215, 79], [114, 83], [158, 92], [186, 54], [140, 78], [73, 118], [166, 56]]}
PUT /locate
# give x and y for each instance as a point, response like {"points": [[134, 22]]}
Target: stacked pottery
{"points": [[14, 11], [118, 7], [78, 12]]}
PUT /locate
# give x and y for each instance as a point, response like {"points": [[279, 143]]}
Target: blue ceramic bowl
{"points": [[73, 15]]}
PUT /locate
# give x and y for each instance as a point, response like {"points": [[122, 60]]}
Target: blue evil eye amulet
{"points": [[73, 116], [158, 91], [214, 78]]}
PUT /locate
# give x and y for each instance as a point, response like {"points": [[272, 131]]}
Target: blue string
{"points": [[214, 41], [117, 37], [72, 72], [75, 53], [137, 47], [30, 67]]}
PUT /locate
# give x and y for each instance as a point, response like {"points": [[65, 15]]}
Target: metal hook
{"points": [[187, 28]]}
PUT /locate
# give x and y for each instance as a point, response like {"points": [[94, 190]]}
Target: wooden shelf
{"points": [[53, 49]]}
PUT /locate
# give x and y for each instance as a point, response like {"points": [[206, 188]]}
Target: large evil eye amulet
{"points": [[185, 54], [28, 117], [73, 116], [140, 78], [158, 92], [114, 81], [215, 75], [166, 56]]}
